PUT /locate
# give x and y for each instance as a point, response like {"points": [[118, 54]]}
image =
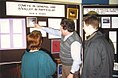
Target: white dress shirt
{"points": [[76, 48]]}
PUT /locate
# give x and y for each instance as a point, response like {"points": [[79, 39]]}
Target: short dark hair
{"points": [[34, 40], [92, 20], [68, 24]]}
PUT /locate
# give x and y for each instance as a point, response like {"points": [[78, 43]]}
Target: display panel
{"points": [[12, 33], [114, 22]]}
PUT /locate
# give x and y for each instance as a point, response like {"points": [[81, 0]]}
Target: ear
{"points": [[64, 27]]}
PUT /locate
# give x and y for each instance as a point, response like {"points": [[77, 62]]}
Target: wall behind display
{"points": [[75, 1], [95, 1]]}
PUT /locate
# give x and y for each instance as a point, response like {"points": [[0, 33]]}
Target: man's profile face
{"points": [[86, 28], [63, 32]]}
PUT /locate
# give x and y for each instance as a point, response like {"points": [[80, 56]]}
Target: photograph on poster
{"points": [[105, 22], [55, 46], [31, 21], [72, 13], [114, 22], [54, 23], [59, 71]]}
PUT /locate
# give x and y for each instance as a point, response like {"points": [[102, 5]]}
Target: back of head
{"points": [[68, 24], [34, 40], [92, 20]]}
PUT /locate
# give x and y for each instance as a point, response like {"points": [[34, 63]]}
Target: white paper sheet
{"points": [[112, 36], [12, 33], [17, 26], [5, 41], [114, 22], [4, 26], [17, 41], [115, 47], [54, 23], [42, 23]]}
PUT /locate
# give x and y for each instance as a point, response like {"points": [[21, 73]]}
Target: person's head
{"points": [[67, 26], [34, 40], [91, 24]]}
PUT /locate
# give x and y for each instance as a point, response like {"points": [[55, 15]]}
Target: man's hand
{"points": [[37, 26], [70, 76]]}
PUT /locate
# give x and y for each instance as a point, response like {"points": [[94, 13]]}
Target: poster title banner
{"points": [[34, 9]]}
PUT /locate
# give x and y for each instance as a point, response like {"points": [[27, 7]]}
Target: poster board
{"points": [[7, 6]]}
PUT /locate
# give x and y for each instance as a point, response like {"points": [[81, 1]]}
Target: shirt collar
{"points": [[67, 36]]}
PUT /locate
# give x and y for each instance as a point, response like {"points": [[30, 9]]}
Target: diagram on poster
{"points": [[31, 21]]}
